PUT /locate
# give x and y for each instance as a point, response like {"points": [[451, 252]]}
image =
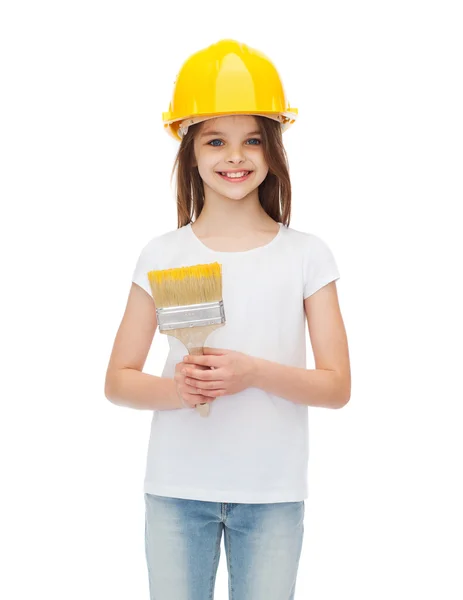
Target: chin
{"points": [[238, 195]]}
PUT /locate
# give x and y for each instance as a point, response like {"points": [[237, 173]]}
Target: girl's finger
{"points": [[191, 389], [211, 386]]}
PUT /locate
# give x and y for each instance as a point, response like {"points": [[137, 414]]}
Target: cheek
{"points": [[205, 172], [259, 161], [206, 165], [263, 172]]}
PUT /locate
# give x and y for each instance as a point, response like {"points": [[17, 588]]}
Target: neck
{"points": [[232, 217]]}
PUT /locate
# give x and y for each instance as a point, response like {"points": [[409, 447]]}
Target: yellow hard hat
{"points": [[223, 79]]}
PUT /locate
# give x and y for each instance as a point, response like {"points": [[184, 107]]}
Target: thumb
{"points": [[207, 350]]}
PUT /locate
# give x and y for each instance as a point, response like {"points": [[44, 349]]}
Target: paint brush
{"points": [[189, 306]]}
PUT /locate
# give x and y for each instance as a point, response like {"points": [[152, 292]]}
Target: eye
{"points": [[217, 140]]}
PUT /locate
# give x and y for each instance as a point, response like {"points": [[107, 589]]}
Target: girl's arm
{"points": [[134, 389], [329, 384], [314, 387], [125, 384]]}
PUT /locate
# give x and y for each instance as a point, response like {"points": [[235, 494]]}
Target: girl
{"points": [[243, 470]]}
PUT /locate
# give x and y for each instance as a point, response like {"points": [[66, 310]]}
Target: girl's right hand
{"points": [[188, 394]]}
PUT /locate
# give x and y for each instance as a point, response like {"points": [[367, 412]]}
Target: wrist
{"points": [[176, 399], [257, 372]]}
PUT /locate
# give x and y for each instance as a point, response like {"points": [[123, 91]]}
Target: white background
{"points": [[376, 164]]}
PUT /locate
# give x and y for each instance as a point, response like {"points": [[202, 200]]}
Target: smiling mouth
{"points": [[234, 175]]}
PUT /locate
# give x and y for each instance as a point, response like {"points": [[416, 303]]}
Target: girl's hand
{"points": [[233, 371], [189, 395]]}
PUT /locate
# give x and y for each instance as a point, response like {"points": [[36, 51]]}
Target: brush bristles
{"points": [[186, 285]]}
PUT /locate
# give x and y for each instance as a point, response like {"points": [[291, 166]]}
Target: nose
{"points": [[236, 156]]}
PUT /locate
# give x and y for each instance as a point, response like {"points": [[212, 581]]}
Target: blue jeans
{"points": [[263, 545]]}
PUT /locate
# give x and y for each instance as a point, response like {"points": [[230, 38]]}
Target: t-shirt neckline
{"points": [[238, 252]]}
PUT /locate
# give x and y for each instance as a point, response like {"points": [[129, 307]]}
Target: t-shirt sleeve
{"points": [[320, 266], [140, 272]]}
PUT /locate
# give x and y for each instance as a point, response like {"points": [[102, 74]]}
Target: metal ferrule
{"points": [[191, 315]]}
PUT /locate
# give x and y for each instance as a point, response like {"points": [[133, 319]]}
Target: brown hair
{"points": [[274, 191]]}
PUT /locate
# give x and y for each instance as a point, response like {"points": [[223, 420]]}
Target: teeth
{"points": [[235, 175]]}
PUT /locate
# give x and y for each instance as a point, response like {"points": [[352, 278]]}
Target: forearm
{"points": [[313, 387], [134, 389]]}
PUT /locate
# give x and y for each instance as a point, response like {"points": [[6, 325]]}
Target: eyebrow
{"points": [[224, 134]]}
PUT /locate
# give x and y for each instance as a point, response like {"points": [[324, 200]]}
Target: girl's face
{"points": [[230, 144]]}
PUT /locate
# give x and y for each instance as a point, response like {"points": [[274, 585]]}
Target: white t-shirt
{"points": [[253, 446]]}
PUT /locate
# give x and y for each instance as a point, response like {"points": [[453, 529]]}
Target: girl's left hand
{"points": [[233, 371]]}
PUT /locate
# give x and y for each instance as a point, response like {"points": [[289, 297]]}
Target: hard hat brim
{"points": [[178, 128]]}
